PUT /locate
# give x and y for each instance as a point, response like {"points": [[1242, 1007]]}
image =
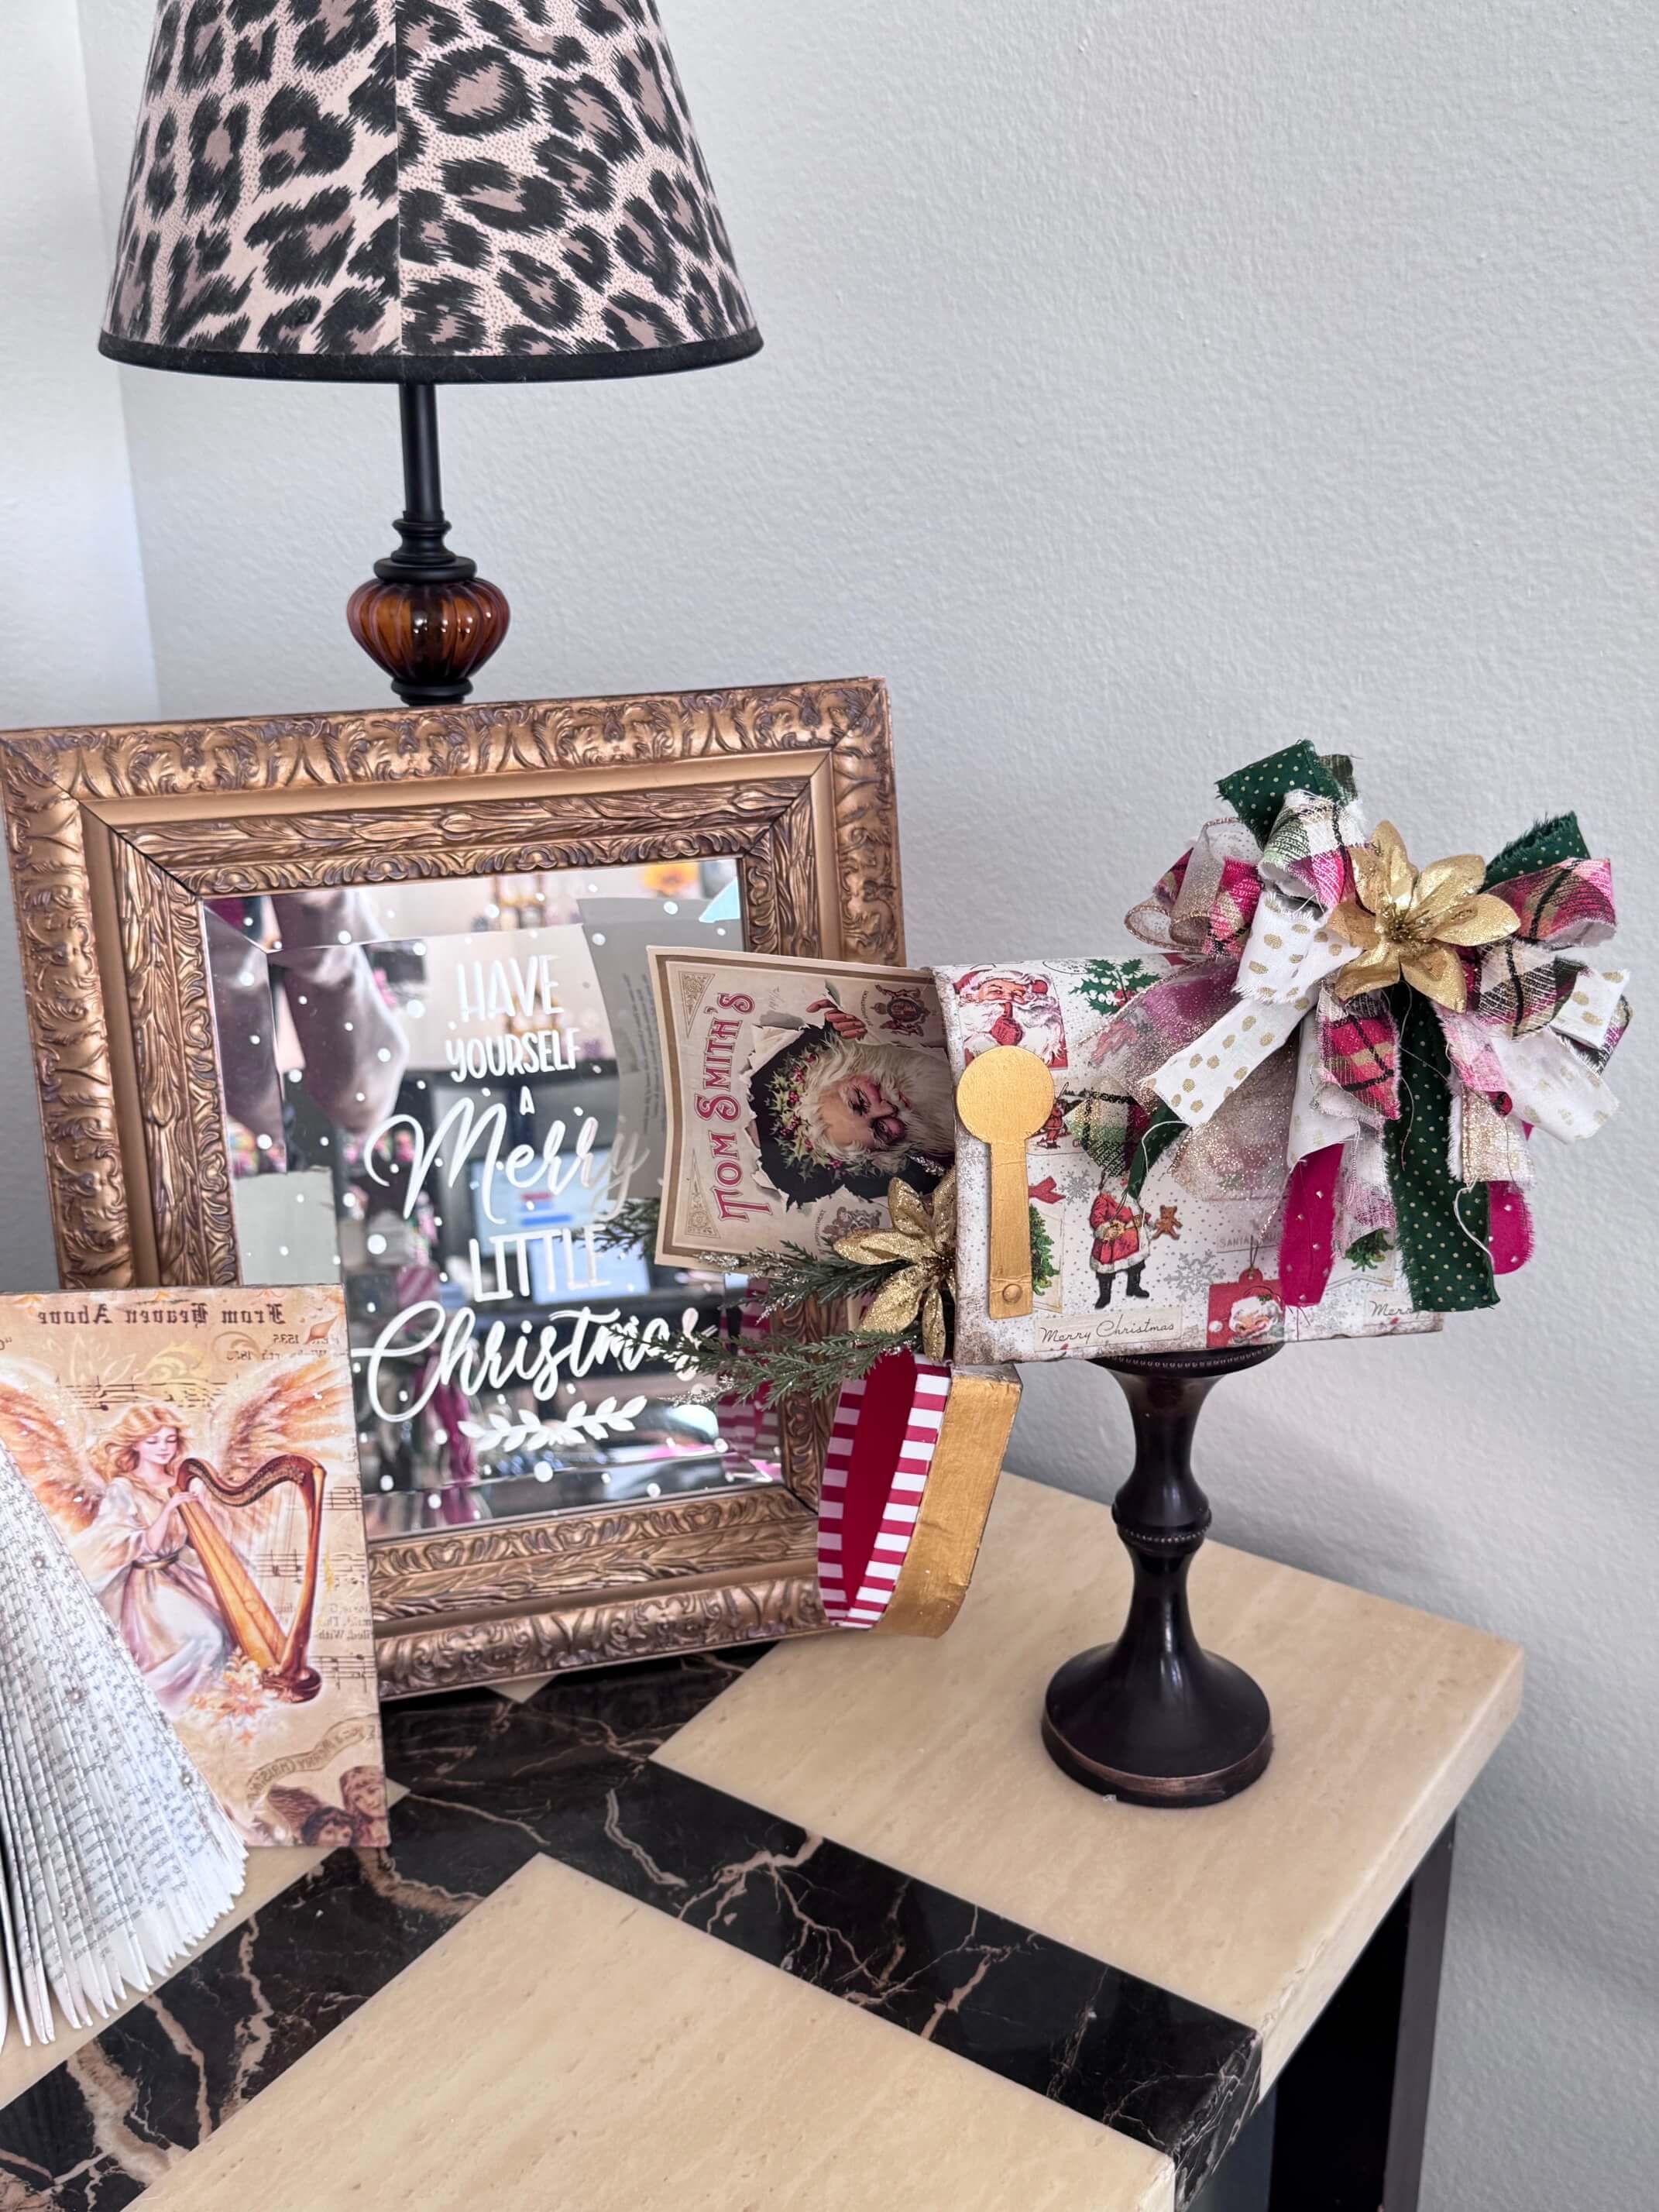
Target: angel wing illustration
{"points": [[239, 1504], [307, 1818], [46, 1434], [299, 1406]]}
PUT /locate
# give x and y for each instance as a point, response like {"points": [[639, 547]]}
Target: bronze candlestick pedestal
{"points": [[1153, 1718]]}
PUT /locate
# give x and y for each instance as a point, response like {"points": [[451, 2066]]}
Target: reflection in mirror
{"points": [[443, 1095]]}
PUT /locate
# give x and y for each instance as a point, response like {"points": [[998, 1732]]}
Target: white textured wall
{"points": [[1147, 387], [73, 634]]}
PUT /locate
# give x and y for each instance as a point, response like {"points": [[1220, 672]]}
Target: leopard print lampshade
{"points": [[441, 191]]}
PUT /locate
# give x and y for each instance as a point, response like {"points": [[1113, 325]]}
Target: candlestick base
{"points": [[1153, 1718]]}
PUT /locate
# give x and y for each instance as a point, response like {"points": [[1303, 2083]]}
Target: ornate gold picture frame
{"points": [[117, 836]]}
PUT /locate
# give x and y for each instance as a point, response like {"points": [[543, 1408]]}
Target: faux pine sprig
{"points": [[792, 1277], [898, 1281], [810, 1367], [781, 1281], [632, 1227]]}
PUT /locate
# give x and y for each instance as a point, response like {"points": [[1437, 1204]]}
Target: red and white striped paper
{"points": [[875, 1470]]}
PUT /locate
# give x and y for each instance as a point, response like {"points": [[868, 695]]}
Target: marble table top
{"points": [[820, 1926]]}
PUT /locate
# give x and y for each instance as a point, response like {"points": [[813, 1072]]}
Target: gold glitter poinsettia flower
{"points": [[925, 1239], [1411, 922]]}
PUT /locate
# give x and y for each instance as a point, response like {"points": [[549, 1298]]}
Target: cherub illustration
{"points": [[304, 1818], [163, 1537]]}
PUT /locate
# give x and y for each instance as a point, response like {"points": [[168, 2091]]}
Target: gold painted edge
{"points": [[761, 1606], [979, 1414], [133, 812]]}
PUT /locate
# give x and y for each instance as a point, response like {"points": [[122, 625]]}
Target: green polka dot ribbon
{"points": [[1546, 845], [1441, 1224], [1256, 793]]}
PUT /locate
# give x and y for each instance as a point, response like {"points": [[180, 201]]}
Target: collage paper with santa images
{"points": [[1179, 1255], [798, 1089]]}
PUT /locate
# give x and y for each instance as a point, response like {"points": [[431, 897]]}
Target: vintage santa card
{"points": [[796, 1092]]}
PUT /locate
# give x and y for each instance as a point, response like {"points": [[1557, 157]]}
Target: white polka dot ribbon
{"points": [[1288, 955], [1595, 1000], [1196, 1080], [1552, 1086], [1290, 947]]}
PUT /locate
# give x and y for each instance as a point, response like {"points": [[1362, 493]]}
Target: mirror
{"points": [[443, 1095], [193, 953]]}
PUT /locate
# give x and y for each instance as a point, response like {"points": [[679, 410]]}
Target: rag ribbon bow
{"points": [[1436, 1016]]}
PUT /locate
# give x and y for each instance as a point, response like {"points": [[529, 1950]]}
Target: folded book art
{"points": [[116, 1857], [1311, 1118]]}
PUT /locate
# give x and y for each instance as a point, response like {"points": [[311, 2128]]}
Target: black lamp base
{"points": [[1153, 1718]]}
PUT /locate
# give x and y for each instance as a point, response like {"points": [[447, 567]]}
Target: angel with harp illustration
{"points": [[165, 1535]]}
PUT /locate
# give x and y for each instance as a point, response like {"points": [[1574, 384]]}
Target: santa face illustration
{"points": [[840, 1109], [1005, 1006], [879, 1102], [1254, 1319]]}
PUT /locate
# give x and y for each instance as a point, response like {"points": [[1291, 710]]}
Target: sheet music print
{"points": [[196, 1451]]}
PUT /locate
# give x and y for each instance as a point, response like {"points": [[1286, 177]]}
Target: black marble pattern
{"points": [[1103, 2042], [491, 1784], [100, 2128]]}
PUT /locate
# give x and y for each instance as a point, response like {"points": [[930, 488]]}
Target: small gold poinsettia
{"points": [[925, 1239], [1409, 922]]}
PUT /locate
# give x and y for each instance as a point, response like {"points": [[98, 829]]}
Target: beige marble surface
{"points": [[522, 1690], [927, 1755], [564, 2049]]}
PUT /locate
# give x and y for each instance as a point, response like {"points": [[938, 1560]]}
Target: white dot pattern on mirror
{"points": [[342, 1109]]}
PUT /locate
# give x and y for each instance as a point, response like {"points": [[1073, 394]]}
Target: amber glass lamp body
{"points": [[426, 617]]}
